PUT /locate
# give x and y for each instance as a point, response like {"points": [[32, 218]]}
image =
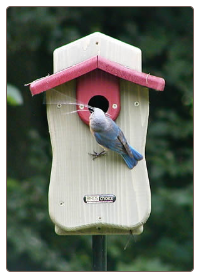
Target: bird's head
{"points": [[97, 119]]}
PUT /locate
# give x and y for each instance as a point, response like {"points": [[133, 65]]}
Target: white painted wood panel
{"points": [[97, 44], [74, 174]]}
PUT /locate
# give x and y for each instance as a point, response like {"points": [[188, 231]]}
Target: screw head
{"points": [[114, 106], [81, 106]]}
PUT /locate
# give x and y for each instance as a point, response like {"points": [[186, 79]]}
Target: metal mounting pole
{"points": [[99, 252]]}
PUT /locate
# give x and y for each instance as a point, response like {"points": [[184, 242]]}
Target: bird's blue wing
{"points": [[110, 138], [113, 138], [102, 140]]}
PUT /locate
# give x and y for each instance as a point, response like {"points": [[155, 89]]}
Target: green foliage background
{"points": [[165, 36]]}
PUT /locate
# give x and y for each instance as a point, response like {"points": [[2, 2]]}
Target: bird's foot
{"points": [[95, 154]]}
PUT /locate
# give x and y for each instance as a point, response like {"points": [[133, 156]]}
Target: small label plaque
{"points": [[99, 198]]}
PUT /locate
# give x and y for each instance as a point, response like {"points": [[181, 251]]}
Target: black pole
{"points": [[99, 249]]}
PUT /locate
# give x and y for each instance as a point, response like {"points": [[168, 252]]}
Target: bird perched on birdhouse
{"points": [[109, 136]]}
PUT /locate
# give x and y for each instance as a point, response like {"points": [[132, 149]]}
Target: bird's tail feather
{"points": [[132, 161]]}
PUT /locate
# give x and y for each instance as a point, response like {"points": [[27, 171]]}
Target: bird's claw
{"points": [[95, 154]]}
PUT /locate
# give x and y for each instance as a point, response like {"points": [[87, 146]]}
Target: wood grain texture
{"points": [[134, 76], [97, 62], [74, 174], [94, 45], [58, 78]]}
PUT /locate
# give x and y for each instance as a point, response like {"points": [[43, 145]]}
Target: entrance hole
{"points": [[99, 102]]}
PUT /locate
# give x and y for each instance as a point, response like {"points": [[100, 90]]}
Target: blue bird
{"points": [[109, 136]]}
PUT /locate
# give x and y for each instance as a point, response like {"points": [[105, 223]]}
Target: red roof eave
{"points": [[46, 83]]}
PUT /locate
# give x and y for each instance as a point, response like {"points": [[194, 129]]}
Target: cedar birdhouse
{"points": [[101, 196]]}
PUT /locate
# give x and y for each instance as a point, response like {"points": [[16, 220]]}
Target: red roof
{"points": [[43, 84]]}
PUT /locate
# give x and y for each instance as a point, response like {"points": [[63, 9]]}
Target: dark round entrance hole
{"points": [[99, 102]]}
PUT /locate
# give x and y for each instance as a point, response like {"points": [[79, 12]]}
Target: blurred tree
{"points": [[165, 36]]}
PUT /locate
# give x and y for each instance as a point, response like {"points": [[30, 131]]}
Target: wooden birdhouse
{"points": [[101, 196]]}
